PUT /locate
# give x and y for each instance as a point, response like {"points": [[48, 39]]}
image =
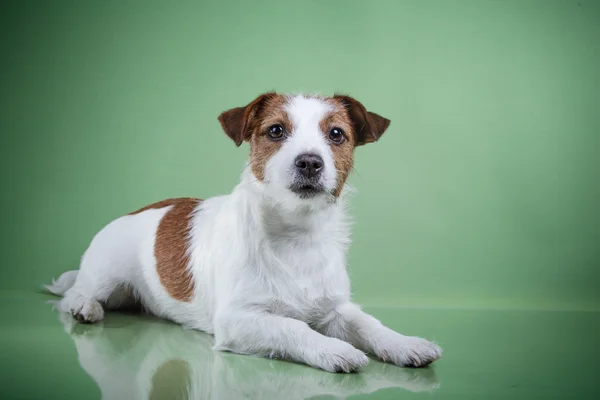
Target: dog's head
{"points": [[301, 147]]}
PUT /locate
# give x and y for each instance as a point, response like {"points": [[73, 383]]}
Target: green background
{"points": [[483, 193]]}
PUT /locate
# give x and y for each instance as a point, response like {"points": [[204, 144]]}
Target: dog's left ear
{"points": [[236, 122], [368, 126]]}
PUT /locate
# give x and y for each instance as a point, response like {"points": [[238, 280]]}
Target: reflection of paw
{"points": [[339, 356], [72, 327], [67, 321], [410, 351], [90, 311], [411, 379]]}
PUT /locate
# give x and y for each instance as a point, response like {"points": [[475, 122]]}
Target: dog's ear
{"points": [[368, 127], [236, 122]]}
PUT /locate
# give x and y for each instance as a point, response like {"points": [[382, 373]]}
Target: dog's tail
{"points": [[63, 283]]}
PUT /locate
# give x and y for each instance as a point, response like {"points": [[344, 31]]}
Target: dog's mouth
{"points": [[306, 190]]}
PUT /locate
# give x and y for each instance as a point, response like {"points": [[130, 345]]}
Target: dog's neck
{"points": [[288, 217]]}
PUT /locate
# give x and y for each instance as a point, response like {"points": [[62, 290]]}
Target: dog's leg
{"points": [[83, 307], [267, 335], [94, 285], [349, 323], [88, 298]]}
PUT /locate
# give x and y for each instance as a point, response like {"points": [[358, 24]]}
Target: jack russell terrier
{"points": [[263, 268]]}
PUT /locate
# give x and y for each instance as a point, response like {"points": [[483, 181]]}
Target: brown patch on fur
{"points": [[171, 246], [236, 122], [251, 123], [164, 203], [367, 126], [261, 146], [343, 153], [172, 380]]}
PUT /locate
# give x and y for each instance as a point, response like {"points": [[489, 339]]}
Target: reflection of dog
{"points": [[153, 359], [263, 268]]}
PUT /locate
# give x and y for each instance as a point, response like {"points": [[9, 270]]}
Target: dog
{"points": [[263, 269]]}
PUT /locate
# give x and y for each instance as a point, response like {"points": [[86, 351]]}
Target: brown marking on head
{"points": [[343, 153], [172, 380], [252, 122], [171, 246], [360, 127], [367, 126]]}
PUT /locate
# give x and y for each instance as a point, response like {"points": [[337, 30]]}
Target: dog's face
{"points": [[301, 147]]}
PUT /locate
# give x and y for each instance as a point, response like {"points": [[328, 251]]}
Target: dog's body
{"points": [[264, 268]]}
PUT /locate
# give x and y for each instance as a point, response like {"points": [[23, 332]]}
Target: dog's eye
{"points": [[336, 135], [276, 132]]}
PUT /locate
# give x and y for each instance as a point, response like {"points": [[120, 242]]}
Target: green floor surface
{"points": [[489, 354]]}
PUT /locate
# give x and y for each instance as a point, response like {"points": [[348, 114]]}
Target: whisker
{"points": [[251, 182], [242, 171]]}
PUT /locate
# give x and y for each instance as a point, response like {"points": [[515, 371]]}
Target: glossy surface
{"points": [[488, 354]]}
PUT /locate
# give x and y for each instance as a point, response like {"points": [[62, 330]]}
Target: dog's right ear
{"points": [[236, 122]]}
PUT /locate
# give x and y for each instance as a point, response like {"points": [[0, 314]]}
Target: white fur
{"points": [[269, 268]]}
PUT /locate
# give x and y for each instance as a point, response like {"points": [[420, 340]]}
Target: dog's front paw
{"points": [[339, 356], [410, 351]]}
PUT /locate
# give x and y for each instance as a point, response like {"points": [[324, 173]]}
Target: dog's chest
{"points": [[307, 282]]}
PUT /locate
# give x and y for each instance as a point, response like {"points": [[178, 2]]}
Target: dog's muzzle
{"points": [[308, 170]]}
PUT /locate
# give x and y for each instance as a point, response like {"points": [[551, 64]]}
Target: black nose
{"points": [[309, 165]]}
